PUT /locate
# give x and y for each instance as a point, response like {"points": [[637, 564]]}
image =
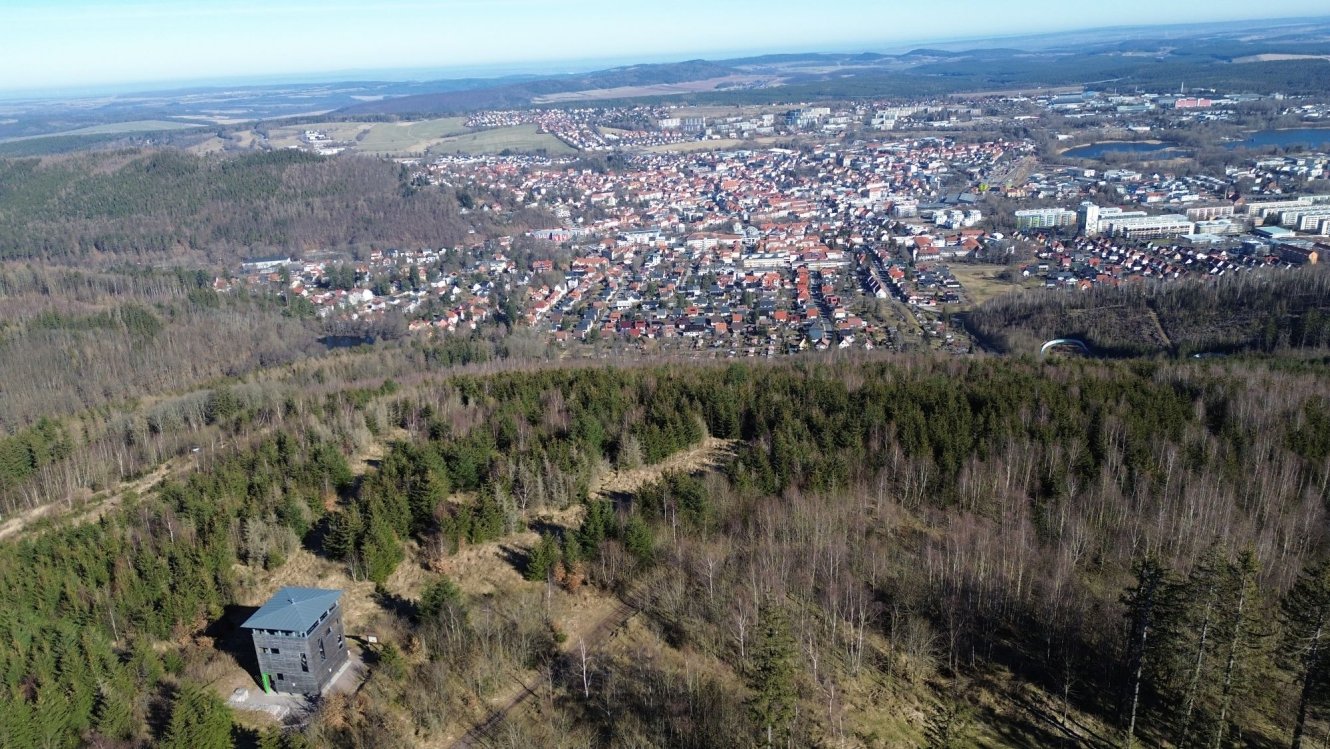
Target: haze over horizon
{"points": [[76, 44]]}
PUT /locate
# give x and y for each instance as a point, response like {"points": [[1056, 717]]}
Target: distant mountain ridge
{"points": [[1150, 58], [1279, 55], [522, 94]]}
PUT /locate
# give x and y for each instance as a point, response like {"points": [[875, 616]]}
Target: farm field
{"points": [[517, 138], [116, 128], [409, 137]]}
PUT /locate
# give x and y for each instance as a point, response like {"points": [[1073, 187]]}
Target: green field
{"points": [[409, 137], [516, 138]]}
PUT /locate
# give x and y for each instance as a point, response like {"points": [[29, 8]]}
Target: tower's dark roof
{"points": [[293, 609]]}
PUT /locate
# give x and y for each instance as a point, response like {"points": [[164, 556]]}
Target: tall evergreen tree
{"points": [[772, 676], [1200, 600], [344, 531], [541, 560], [199, 720], [1241, 635], [380, 550], [114, 717], [1145, 602], [1306, 618]]}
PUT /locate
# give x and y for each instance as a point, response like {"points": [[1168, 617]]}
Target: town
{"points": [[854, 227]]}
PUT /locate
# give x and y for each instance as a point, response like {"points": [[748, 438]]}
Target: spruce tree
{"points": [[637, 539], [772, 677], [380, 550], [17, 723], [344, 531], [437, 596], [1146, 602], [270, 738], [199, 720], [1200, 599], [541, 560], [1306, 618], [114, 717], [1240, 630]]}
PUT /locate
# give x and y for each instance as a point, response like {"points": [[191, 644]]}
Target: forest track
{"points": [[483, 734], [711, 453], [91, 510], [1159, 328]]}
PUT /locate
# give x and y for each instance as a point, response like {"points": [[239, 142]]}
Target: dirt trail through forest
{"points": [[592, 632], [89, 511]]}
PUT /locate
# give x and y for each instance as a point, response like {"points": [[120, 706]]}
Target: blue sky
{"points": [[46, 44]]}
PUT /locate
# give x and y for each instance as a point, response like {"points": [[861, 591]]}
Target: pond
{"points": [[1305, 137], [345, 341]]}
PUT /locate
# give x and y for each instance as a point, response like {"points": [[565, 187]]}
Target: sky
{"points": [[47, 45]]}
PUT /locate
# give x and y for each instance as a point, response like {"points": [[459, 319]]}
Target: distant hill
{"points": [[522, 94], [1146, 58], [809, 57], [1275, 56], [126, 206]]}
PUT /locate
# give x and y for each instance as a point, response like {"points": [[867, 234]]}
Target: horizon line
{"points": [[498, 70]]}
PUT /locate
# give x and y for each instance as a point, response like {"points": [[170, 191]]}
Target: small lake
{"points": [[1099, 150], [1317, 138], [345, 341]]}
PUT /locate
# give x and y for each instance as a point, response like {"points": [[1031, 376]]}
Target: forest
{"points": [[915, 551], [1245, 313], [150, 205]]}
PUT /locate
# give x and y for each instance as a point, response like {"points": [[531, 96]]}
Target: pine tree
{"points": [[199, 720], [1305, 619], [1145, 602], [772, 677], [1241, 636], [637, 539], [114, 717], [380, 550], [542, 559], [1200, 601]]}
